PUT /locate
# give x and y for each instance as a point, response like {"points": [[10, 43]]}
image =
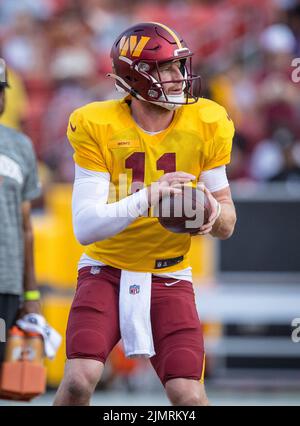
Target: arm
{"points": [[29, 281], [95, 220], [224, 225], [223, 216]]}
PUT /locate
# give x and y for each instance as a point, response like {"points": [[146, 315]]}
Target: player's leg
{"points": [[178, 341], [80, 379], [186, 392], [92, 332]]}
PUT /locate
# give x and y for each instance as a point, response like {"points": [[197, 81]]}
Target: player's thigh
{"points": [[93, 325], [177, 332]]}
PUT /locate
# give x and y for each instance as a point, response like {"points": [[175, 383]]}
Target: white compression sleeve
{"points": [[214, 179], [94, 219]]}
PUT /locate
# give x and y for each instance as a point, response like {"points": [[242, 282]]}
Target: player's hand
{"points": [[169, 183], [30, 307], [215, 211]]}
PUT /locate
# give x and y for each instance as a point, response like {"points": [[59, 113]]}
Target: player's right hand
{"points": [[169, 183]]}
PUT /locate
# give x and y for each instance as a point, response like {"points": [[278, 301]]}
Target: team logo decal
{"points": [[132, 45], [134, 289], [95, 270]]}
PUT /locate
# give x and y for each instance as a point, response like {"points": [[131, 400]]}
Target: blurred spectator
{"points": [[290, 170], [278, 158], [16, 103], [278, 100], [238, 167], [73, 71], [24, 46], [242, 49]]}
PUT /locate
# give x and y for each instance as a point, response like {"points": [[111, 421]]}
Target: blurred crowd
{"points": [[58, 56]]}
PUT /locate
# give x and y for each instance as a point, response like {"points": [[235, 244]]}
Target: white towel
{"points": [[134, 308], [37, 324]]}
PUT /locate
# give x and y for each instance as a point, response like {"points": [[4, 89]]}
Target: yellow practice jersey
{"points": [[105, 138]]}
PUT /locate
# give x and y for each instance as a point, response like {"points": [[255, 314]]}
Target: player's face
{"points": [[2, 99], [170, 71]]}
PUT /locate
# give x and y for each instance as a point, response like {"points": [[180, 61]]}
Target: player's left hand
{"points": [[30, 307], [215, 210]]}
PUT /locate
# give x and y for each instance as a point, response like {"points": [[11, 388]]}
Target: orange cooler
{"points": [[23, 375]]}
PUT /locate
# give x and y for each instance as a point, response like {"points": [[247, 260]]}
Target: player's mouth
{"points": [[175, 92]]}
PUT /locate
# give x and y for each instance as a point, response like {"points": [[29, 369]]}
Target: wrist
{"points": [[217, 222], [153, 194], [138, 203]]}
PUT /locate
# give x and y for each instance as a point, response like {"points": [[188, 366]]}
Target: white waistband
{"points": [[182, 274]]}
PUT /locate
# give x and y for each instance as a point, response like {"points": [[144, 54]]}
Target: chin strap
{"points": [[170, 105]]}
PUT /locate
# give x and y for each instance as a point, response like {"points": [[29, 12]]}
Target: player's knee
{"points": [[78, 388], [188, 400], [80, 382], [195, 399], [184, 392]]}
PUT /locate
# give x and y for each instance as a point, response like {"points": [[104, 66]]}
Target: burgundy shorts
{"points": [[93, 326]]}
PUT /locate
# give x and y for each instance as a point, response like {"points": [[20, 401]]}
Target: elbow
{"points": [[86, 237], [81, 235], [82, 231], [84, 242], [227, 231], [82, 239], [226, 234]]}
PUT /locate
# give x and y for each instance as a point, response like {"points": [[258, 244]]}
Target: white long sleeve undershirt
{"points": [[95, 220]]}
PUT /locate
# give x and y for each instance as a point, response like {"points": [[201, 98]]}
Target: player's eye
{"points": [[170, 66], [165, 68]]}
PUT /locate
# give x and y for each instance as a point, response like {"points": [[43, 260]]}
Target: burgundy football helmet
{"points": [[139, 51]]}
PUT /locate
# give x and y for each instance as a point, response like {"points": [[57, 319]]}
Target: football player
{"points": [[129, 153]]}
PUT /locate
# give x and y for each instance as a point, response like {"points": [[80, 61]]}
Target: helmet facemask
{"points": [[141, 83], [158, 93]]}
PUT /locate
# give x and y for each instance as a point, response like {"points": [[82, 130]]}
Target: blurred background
{"points": [[247, 288]]}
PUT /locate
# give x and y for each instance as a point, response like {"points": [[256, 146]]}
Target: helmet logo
{"points": [[153, 93], [135, 47]]}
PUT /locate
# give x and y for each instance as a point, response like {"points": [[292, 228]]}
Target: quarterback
{"points": [[134, 278]]}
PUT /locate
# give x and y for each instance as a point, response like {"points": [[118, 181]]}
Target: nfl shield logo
{"points": [[134, 289]]}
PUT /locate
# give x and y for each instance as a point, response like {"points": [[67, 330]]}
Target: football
{"points": [[184, 213]]}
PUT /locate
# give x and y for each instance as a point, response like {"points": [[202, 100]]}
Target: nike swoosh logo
{"points": [[73, 128], [169, 284]]}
